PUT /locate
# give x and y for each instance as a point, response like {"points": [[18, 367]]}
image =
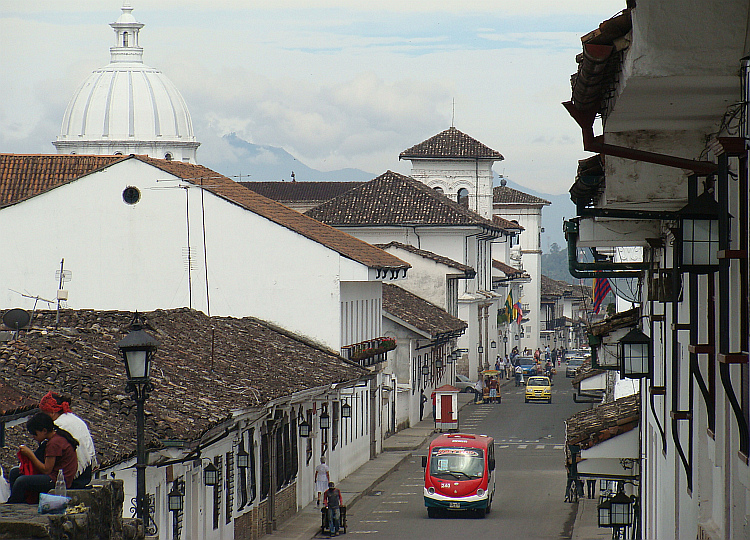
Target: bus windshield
{"points": [[457, 463]]}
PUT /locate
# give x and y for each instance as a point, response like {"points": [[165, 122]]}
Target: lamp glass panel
{"points": [[425, 370], [620, 514], [136, 363], [325, 421], [603, 517], [636, 357], [304, 429], [175, 501], [700, 242]]}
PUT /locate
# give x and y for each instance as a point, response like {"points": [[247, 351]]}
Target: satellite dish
{"points": [[16, 318]]}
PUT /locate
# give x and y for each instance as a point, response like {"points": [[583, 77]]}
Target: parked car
{"points": [[463, 383], [572, 366], [538, 388], [527, 363]]}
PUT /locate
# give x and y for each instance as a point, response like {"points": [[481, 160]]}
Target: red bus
{"points": [[459, 474]]}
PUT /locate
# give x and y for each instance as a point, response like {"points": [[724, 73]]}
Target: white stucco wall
{"points": [[452, 175], [133, 257]]}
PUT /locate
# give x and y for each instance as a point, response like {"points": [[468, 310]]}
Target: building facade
{"points": [[671, 177]]}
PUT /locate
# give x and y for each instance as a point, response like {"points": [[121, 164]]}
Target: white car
{"points": [[463, 383]]}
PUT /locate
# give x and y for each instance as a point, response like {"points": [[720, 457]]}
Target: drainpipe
{"points": [[596, 269], [591, 143]]}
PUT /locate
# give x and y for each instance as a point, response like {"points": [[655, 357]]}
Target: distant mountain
{"points": [[263, 163]]}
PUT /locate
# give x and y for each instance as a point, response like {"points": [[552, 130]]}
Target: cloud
{"points": [[334, 83]]}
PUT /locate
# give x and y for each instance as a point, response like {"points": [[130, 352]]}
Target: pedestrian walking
{"points": [[422, 401], [519, 375], [591, 487], [322, 478], [333, 501]]}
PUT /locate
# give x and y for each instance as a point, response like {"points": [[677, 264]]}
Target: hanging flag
{"points": [[601, 290], [518, 312], [509, 308]]}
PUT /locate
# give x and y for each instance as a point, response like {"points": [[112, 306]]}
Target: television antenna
{"points": [[62, 276]]}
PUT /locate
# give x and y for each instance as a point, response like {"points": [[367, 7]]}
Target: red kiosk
{"points": [[445, 402]]}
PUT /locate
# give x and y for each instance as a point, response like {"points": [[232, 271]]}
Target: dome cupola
{"points": [[127, 107]]}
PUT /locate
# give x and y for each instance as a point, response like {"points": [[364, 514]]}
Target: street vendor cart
{"points": [[491, 391]]}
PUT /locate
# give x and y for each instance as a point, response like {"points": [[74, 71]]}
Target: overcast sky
{"points": [[337, 83]]}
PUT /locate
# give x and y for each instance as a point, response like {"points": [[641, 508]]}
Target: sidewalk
{"points": [[586, 526], [396, 449]]}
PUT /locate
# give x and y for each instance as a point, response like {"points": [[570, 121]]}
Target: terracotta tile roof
{"points": [[300, 191], [506, 224], [508, 270], [451, 143], [553, 287], [468, 270], [586, 371], [508, 195], [590, 427], [420, 313], [195, 387], [24, 175], [14, 401], [395, 199], [623, 319]]}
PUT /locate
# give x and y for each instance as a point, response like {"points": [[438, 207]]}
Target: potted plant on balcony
{"points": [[384, 346]]}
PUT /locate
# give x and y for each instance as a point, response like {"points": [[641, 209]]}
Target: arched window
{"points": [[124, 39], [438, 189], [118, 153], [463, 197], [168, 156]]}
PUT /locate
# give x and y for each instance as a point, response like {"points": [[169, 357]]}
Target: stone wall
{"points": [[254, 523], [100, 517]]}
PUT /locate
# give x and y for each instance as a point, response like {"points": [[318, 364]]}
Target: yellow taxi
{"points": [[538, 388]]}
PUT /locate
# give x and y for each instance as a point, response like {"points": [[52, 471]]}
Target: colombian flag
{"points": [[601, 290], [509, 308], [518, 312]]}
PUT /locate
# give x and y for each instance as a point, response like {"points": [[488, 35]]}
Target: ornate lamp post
{"points": [[138, 348]]}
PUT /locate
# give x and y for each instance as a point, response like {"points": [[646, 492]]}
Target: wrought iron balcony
{"points": [[370, 352]]}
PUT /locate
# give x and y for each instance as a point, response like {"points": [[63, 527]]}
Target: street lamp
{"points": [[138, 348], [439, 363]]}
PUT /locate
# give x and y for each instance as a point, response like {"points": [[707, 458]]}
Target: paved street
{"points": [[531, 478]]}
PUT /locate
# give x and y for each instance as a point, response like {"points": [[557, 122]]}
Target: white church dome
{"points": [[127, 107]]}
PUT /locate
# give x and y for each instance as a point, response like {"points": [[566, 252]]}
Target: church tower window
{"points": [[124, 39], [463, 197]]}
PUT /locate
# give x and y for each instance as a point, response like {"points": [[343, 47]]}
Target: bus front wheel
{"points": [[432, 512], [481, 512]]}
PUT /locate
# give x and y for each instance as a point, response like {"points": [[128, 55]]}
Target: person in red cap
{"points": [[58, 407]]}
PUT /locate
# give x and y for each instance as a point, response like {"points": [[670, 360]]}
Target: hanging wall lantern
{"points": [[211, 475], [175, 499], [325, 420], [304, 429], [346, 410], [699, 243], [635, 355]]}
